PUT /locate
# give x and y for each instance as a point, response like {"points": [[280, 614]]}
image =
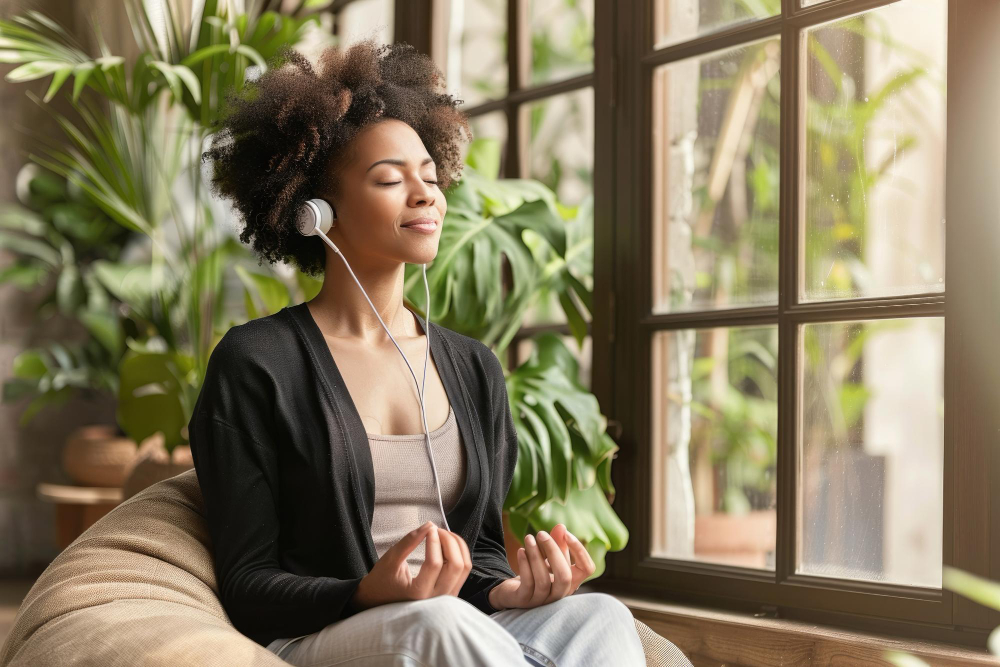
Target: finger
{"points": [[539, 570], [426, 579], [453, 563], [559, 534], [405, 546], [584, 564], [527, 587], [562, 573]]}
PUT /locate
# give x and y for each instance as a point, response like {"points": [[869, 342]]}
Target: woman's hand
{"points": [[446, 566], [540, 582]]}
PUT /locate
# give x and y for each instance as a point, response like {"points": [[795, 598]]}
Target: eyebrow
{"points": [[396, 161]]}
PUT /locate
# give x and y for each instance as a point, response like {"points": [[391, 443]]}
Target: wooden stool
{"points": [[77, 507]]}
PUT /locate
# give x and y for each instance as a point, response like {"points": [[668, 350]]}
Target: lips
{"points": [[422, 225], [429, 222]]}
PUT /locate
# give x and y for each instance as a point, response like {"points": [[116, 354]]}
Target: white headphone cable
{"points": [[420, 388]]}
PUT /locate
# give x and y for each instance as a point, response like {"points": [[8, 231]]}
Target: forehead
{"points": [[389, 138]]}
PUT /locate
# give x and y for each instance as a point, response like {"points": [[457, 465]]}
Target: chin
{"points": [[422, 257]]}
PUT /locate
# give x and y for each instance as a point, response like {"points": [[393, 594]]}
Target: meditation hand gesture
{"points": [[546, 571], [446, 566]]}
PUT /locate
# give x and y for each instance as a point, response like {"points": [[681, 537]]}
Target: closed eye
{"points": [[398, 182]]}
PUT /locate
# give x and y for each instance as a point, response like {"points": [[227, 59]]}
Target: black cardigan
{"points": [[285, 470]]}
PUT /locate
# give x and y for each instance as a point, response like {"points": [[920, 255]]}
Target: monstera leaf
{"points": [[484, 223], [563, 473], [562, 443]]}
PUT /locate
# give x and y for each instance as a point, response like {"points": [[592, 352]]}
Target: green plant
{"points": [[133, 149], [56, 235]]}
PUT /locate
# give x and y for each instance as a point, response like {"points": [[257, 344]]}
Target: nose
{"points": [[423, 194]]}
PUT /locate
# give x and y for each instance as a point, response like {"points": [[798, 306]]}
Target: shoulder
{"points": [[245, 370], [257, 342]]}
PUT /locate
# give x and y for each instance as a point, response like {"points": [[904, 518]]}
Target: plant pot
{"points": [[736, 539], [95, 456], [153, 464]]}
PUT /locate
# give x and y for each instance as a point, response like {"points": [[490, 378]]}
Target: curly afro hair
{"points": [[282, 137]]}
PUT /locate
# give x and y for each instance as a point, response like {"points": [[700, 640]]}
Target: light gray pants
{"points": [[581, 629]]}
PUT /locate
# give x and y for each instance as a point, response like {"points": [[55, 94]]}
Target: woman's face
{"points": [[388, 181]]}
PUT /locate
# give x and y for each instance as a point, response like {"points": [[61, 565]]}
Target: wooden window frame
{"points": [[971, 513]]}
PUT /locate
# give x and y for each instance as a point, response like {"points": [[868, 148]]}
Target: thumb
{"points": [[401, 549]]}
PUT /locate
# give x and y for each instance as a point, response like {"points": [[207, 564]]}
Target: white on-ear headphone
{"points": [[315, 218]]}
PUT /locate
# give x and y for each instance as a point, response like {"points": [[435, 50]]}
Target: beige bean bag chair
{"points": [[138, 588]]}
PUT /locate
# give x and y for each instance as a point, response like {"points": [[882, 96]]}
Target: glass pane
{"points": [[679, 20], [872, 453], [715, 180], [875, 153], [491, 125], [584, 355], [562, 39], [559, 144], [714, 435], [477, 50], [366, 18], [559, 152]]}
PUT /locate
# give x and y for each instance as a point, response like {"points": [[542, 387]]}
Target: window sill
{"points": [[711, 636]]}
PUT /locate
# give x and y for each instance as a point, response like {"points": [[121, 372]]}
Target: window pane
{"points": [[714, 436], [559, 147], [715, 178], [562, 39], [875, 153], [679, 20], [872, 454], [477, 50], [559, 152], [491, 125], [366, 18]]}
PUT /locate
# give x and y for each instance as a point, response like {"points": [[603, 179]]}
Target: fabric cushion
{"points": [[138, 587]]}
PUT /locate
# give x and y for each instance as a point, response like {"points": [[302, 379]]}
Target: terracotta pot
{"points": [[95, 456], [153, 464], [736, 539]]}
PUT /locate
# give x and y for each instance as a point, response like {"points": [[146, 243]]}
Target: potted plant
{"points": [[133, 150], [55, 235]]}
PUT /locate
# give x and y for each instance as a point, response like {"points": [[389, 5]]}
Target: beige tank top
{"points": [[405, 495]]}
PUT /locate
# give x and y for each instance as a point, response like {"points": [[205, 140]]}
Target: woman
{"points": [[328, 541]]}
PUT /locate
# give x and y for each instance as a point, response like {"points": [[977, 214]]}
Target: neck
{"points": [[341, 310]]}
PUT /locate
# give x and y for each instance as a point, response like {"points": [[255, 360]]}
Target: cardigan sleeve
{"points": [[489, 557], [235, 460]]}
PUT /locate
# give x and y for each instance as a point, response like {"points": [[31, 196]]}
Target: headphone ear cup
{"points": [[314, 214]]}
